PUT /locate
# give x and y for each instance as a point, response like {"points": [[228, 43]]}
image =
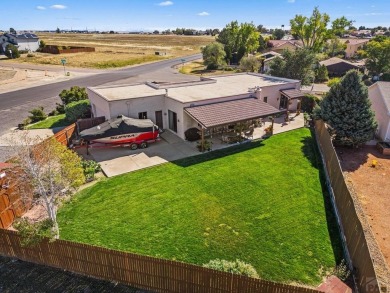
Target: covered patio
{"points": [[287, 98], [233, 121]]}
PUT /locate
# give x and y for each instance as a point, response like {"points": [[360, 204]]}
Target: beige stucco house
{"points": [[205, 103], [354, 45], [379, 94], [279, 46]]}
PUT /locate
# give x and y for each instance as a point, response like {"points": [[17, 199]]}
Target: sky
{"points": [[148, 15]]}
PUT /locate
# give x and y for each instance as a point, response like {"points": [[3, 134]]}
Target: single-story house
{"points": [[280, 45], [207, 103], [338, 67], [354, 45], [25, 42], [379, 94], [266, 60]]}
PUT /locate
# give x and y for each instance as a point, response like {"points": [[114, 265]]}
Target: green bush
{"points": [[75, 93], [33, 233], [236, 267], [14, 51], [308, 103], [30, 55], [77, 110], [333, 81], [90, 168], [37, 114]]}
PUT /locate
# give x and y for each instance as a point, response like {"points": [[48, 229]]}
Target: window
{"points": [[142, 115], [172, 119], [265, 99]]}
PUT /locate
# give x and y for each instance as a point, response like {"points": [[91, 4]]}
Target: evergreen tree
{"points": [[347, 110], [322, 74]]}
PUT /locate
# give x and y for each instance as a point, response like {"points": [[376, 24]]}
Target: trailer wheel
{"points": [[143, 145], [133, 146]]}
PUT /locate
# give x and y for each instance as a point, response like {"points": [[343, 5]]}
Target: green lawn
{"points": [[258, 202], [50, 122]]}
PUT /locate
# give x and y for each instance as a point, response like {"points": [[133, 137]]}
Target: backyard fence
{"points": [[52, 49], [83, 124], [65, 135], [143, 272], [351, 226]]}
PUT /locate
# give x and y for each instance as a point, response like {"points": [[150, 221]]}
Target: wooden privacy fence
{"points": [[83, 124], [65, 135], [139, 271], [352, 229]]}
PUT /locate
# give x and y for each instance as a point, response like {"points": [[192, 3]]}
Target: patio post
{"points": [[202, 138], [272, 124]]}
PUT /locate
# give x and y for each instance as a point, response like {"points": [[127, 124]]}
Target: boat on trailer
{"points": [[121, 131]]}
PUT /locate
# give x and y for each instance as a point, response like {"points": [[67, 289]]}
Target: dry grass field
{"points": [[117, 50]]}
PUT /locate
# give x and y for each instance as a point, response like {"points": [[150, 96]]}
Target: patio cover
{"points": [[292, 94], [229, 112]]}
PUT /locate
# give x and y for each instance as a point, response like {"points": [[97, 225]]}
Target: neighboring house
{"points": [[280, 45], [338, 67], [379, 94], [266, 60], [362, 33], [354, 45], [207, 103], [25, 42]]}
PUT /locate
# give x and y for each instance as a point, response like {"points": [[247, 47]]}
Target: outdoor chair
{"points": [[249, 133]]}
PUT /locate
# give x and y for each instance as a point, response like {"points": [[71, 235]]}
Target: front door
{"points": [[159, 119], [172, 117]]}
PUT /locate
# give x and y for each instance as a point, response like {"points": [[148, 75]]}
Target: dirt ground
{"points": [[372, 186], [116, 50]]}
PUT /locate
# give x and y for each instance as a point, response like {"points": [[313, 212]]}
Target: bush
{"points": [[33, 233], [30, 55], [308, 103], [90, 168], [60, 108], [75, 93], [37, 114], [53, 113], [236, 267], [333, 81], [14, 51], [77, 110], [322, 74]]}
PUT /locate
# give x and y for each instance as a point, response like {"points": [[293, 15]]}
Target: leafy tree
{"points": [[250, 64], [321, 74], [340, 25], [334, 47], [262, 43], [278, 34], [347, 110], [77, 110], [311, 31], [378, 55], [12, 31], [261, 29], [14, 51], [54, 172], [295, 65], [58, 30], [75, 93], [239, 39], [213, 55]]}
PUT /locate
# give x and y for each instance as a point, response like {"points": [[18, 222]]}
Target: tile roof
{"points": [[223, 113], [278, 43], [335, 60]]}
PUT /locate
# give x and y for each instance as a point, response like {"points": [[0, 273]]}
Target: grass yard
{"points": [[116, 50], [50, 122], [260, 202], [198, 68]]}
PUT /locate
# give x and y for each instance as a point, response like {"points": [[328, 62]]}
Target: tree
{"points": [[42, 44], [213, 55], [250, 64], [238, 39], [378, 55], [12, 31], [340, 25], [75, 93], [11, 51], [321, 74], [278, 34], [334, 47], [295, 65], [54, 172], [58, 30], [76, 110], [311, 31], [347, 110], [262, 43]]}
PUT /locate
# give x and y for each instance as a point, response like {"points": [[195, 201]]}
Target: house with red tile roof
{"points": [[354, 45]]}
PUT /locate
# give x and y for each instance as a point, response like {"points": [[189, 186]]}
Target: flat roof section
{"points": [[223, 113], [126, 92], [226, 86]]}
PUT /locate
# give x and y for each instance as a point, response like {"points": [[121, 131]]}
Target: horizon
{"points": [[149, 15]]}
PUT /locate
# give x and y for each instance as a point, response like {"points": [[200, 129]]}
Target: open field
{"points": [[261, 202], [372, 189], [117, 50]]}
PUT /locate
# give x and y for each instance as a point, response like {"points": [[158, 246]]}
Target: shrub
{"points": [[60, 108], [30, 55], [341, 271], [75, 93], [322, 74], [33, 233], [77, 110], [54, 113], [308, 102], [90, 168], [236, 267], [192, 134], [333, 81], [37, 114], [14, 51]]}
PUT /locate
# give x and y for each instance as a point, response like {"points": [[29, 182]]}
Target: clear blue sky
{"points": [[125, 15]]}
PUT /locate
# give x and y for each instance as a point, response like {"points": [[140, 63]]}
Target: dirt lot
{"points": [[372, 186], [117, 50]]}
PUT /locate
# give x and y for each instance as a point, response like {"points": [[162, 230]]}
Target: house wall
{"points": [[352, 49], [273, 94], [28, 44], [99, 105], [381, 113]]}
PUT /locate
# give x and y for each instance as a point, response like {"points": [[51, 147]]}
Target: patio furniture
{"points": [[249, 133]]}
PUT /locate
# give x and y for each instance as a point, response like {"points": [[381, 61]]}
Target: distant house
{"points": [[25, 42], [354, 45], [379, 94], [280, 45], [266, 60], [338, 67]]}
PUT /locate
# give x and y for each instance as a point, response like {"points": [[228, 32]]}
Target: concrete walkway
{"points": [[120, 160]]}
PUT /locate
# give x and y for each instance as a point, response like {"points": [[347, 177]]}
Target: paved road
{"points": [[34, 94]]}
